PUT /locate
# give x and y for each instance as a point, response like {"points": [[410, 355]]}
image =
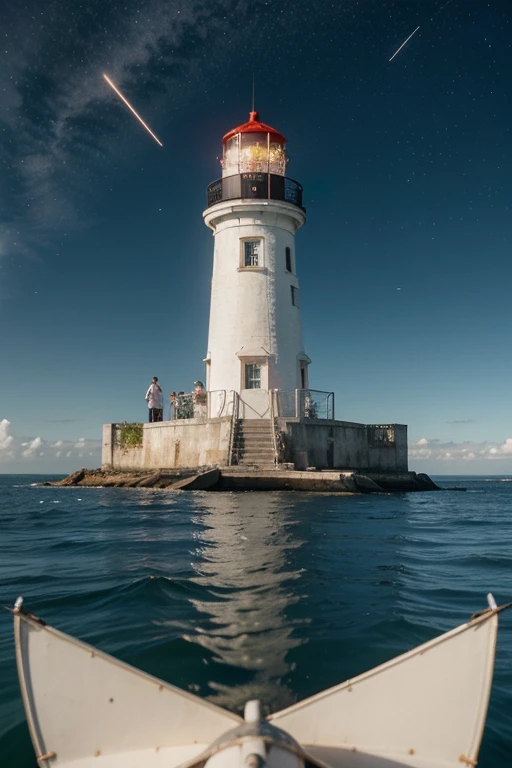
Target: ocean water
{"points": [[254, 595]]}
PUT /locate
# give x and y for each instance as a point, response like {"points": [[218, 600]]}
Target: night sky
{"points": [[404, 262]]}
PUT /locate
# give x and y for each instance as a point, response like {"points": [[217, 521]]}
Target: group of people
{"points": [[179, 402]]}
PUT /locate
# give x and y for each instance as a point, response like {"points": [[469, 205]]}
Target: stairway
{"points": [[253, 444]]}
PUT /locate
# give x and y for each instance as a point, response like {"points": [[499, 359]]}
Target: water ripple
{"points": [[273, 596]]}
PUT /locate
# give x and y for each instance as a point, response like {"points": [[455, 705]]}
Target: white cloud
{"points": [[507, 446], [22, 450], [427, 448], [33, 448], [6, 440]]}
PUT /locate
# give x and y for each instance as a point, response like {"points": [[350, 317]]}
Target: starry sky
{"points": [[405, 260]]}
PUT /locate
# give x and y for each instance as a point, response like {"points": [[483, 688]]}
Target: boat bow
{"points": [[423, 709]]}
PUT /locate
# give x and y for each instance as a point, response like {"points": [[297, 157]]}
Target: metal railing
{"points": [[221, 402], [203, 405], [255, 186], [304, 404], [232, 429], [274, 427], [381, 434], [291, 403], [183, 406]]}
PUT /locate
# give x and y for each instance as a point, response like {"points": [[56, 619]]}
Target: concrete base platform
{"points": [[330, 481], [254, 479]]}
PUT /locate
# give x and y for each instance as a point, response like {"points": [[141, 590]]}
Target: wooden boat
{"points": [[423, 709]]}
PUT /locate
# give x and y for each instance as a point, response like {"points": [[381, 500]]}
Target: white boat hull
{"points": [[423, 709]]}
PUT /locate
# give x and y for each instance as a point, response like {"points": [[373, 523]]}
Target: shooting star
{"points": [[139, 118], [404, 43], [439, 10]]}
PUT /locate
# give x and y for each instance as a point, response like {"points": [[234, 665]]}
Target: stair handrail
{"points": [[234, 419], [272, 394]]}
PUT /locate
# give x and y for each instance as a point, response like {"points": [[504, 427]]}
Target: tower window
{"points": [[252, 255], [288, 254], [295, 296], [252, 376]]}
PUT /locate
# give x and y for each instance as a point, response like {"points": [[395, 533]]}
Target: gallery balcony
{"points": [[255, 186]]}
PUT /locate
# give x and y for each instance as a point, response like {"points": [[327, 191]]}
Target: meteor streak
{"points": [[139, 118], [405, 42]]}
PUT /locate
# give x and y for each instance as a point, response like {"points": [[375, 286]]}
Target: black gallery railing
{"points": [[255, 186], [303, 404]]}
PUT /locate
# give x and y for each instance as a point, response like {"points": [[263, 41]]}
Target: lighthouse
{"points": [[260, 425], [255, 340]]}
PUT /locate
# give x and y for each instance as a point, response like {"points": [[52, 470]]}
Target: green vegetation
{"points": [[129, 435]]}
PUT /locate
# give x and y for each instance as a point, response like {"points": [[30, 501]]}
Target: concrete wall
{"points": [[170, 444], [344, 445], [306, 443]]}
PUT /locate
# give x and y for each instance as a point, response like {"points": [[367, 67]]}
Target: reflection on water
{"points": [[243, 560]]}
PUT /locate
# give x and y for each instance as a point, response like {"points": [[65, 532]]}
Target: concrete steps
{"points": [[253, 444], [246, 470]]}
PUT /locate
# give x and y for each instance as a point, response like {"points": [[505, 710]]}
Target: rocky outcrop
{"points": [[403, 481], [74, 479], [121, 479]]}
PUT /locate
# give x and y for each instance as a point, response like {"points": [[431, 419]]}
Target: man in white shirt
{"points": [[155, 400]]}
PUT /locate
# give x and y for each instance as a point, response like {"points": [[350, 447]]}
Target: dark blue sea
{"points": [[254, 595]]}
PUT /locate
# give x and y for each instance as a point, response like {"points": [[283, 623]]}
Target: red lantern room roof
{"points": [[254, 126]]}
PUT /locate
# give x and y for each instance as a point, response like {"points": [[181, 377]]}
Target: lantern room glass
{"points": [[254, 152]]}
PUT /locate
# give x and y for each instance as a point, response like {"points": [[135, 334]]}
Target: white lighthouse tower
{"points": [[255, 342]]}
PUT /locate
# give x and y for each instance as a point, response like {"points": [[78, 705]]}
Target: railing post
{"points": [[272, 424], [234, 416]]}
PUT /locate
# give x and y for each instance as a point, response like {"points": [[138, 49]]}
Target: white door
{"points": [[254, 397]]}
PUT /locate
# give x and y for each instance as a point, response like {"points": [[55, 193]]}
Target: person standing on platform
{"points": [[172, 400], [155, 400]]}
